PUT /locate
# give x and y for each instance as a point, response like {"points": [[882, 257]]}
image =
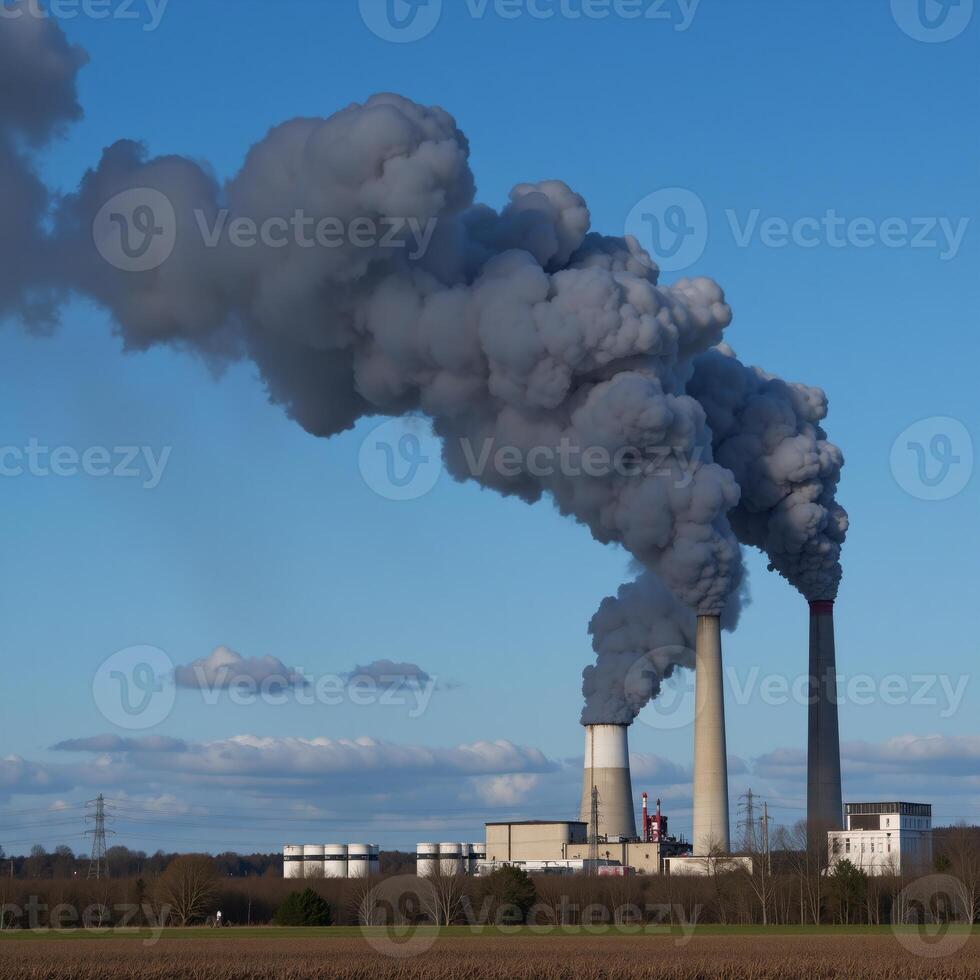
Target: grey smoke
{"points": [[767, 433], [37, 99], [520, 328], [515, 327]]}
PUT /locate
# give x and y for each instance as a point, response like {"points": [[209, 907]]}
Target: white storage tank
{"points": [[464, 859], [375, 856], [478, 853], [450, 862], [426, 860], [312, 860], [292, 861], [358, 860], [335, 861]]}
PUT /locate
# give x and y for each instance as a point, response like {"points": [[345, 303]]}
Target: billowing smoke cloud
{"points": [[640, 637], [767, 433], [516, 330], [37, 98]]}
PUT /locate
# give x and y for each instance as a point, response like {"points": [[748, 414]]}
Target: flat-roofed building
{"points": [[533, 840], [884, 838]]}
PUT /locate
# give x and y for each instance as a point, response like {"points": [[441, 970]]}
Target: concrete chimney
{"points": [[607, 768], [824, 806], [711, 829]]}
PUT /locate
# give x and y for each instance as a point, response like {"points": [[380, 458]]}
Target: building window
{"points": [[847, 846]]}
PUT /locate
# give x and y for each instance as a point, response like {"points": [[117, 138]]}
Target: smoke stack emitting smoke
{"points": [[519, 327]]}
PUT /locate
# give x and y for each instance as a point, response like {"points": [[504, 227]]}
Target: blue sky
{"points": [[263, 539]]}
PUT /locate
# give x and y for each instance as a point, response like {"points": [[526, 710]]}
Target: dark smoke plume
{"points": [[37, 99], [513, 329]]}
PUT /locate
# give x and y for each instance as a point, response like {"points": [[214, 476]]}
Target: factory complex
{"points": [[879, 838]]}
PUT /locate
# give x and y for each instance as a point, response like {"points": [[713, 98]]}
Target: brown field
{"points": [[552, 958]]}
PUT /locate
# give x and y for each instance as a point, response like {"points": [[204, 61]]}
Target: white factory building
{"points": [[884, 838], [330, 860]]}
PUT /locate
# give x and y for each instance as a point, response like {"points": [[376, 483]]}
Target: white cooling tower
{"points": [[426, 860], [711, 819], [335, 861], [478, 853], [607, 768], [824, 804], [292, 861]]}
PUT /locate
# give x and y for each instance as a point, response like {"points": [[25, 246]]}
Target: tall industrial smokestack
{"points": [[607, 768], [824, 806], [711, 831]]}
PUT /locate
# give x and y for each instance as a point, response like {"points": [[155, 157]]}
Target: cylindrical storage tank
{"points": [[335, 861], [426, 860], [478, 853], [312, 860], [450, 862], [464, 859], [292, 861], [358, 860], [375, 859]]}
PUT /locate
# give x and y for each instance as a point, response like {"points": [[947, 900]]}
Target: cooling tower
{"points": [[824, 807], [711, 830], [607, 768]]}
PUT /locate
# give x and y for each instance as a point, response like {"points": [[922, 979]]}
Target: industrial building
{"points": [[884, 838], [330, 860], [604, 838]]}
